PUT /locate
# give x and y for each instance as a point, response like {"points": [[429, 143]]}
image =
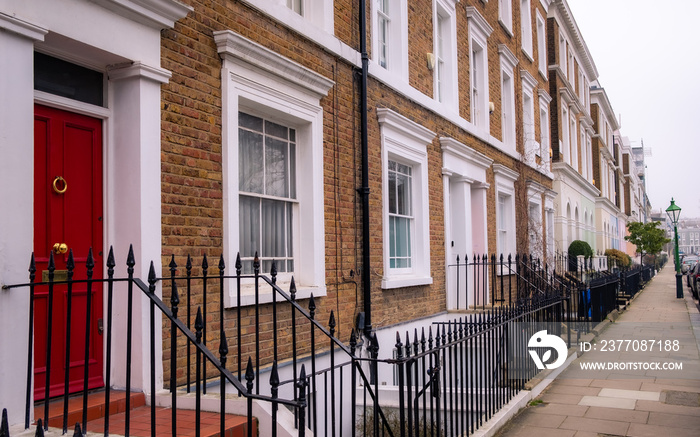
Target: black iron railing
{"points": [[448, 382], [245, 383]]}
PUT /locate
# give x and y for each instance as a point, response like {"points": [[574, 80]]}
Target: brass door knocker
{"points": [[60, 180]]}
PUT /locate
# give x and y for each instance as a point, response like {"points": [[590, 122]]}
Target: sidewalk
{"points": [[625, 401]]}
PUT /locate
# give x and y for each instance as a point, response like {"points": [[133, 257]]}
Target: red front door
{"points": [[67, 211]]}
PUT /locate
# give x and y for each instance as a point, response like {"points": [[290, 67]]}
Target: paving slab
{"points": [[595, 425], [630, 394], [632, 416], [646, 430], [597, 401]]}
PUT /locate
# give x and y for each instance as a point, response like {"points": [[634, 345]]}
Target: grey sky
{"points": [[646, 53]]}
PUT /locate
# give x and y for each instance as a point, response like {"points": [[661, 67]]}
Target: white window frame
{"points": [[397, 37], [407, 142], [505, 190], [545, 134], [565, 134], [562, 54], [573, 144], [445, 38], [259, 80], [571, 75], [526, 27], [319, 13], [530, 146], [541, 45], [549, 197], [479, 31], [508, 115], [505, 15]]}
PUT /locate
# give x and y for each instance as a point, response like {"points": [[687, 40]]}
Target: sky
{"points": [[646, 53]]}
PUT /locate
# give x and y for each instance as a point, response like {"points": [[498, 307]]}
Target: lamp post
{"points": [[674, 213]]}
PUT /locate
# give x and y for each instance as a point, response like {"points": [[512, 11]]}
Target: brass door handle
{"points": [[61, 181], [59, 248]]}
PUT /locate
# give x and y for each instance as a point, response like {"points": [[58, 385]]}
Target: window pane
{"points": [[392, 191], [276, 167], [292, 170], [250, 122], [249, 225], [276, 130], [65, 79], [400, 242], [250, 161], [403, 194], [275, 229]]}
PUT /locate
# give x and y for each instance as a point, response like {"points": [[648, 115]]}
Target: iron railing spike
{"points": [[223, 346], [39, 429], [312, 305], [4, 425], [70, 262], [205, 262], [331, 321], [32, 266], [130, 258], [110, 258], [152, 278], [274, 376]]}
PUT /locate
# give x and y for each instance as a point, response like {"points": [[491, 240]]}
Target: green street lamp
{"points": [[674, 213]]}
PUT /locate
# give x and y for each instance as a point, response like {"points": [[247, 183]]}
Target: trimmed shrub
{"points": [[577, 248], [618, 257]]}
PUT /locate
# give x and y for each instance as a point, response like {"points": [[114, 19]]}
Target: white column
{"points": [[17, 39], [134, 207]]}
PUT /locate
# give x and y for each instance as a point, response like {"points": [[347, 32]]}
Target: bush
{"points": [[618, 258], [577, 248]]}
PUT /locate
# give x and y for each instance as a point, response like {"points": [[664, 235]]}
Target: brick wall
{"points": [[191, 151]]}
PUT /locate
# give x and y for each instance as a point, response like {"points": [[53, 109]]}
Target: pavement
{"points": [[626, 395]]}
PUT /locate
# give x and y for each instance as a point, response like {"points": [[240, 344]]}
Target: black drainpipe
{"points": [[364, 190]]}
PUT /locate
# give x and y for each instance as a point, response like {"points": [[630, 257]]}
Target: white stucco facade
{"points": [[121, 39]]}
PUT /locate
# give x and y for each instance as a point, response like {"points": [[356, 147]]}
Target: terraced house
{"points": [[371, 150]]}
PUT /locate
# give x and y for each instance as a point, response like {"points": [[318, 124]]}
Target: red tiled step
{"points": [[95, 405], [140, 423], [140, 417]]}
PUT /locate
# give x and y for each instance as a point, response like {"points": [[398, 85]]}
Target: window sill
{"points": [[405, 281], [265, 295]]}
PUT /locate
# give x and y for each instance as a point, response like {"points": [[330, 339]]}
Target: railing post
{"points": [[274, 384], [152, 329], [353, 380], [400, 369], [130, 262], [204, 306], [331, 325], [301, 385], [51, 267], [223, 352], [30, 344], [174, 302], [249, 377], [198, 326], [108, 366], [70, 265]]}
